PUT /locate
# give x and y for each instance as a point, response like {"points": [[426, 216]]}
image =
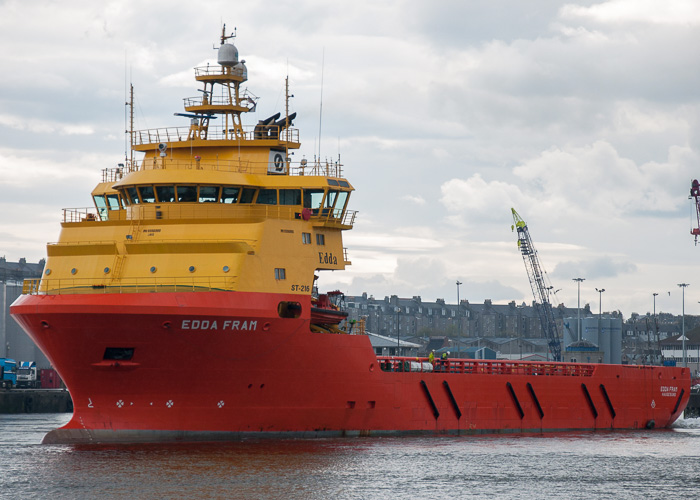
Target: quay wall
{"points": [[35, 401]]}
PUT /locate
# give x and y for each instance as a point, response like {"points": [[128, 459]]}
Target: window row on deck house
{"points": [[319, 200]]}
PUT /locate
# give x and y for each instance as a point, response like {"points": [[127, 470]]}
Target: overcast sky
{"points": [[584, 116]]}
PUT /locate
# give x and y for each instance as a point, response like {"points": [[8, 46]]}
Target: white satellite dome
{"points": [[228, 55]]}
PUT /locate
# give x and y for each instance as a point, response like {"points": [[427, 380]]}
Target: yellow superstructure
{"points": [[208, 207]]}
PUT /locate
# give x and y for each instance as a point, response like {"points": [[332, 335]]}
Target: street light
{"points": [[600, 310], [656, 328], [578, 307], [398, 329], [459, 322], [683, 285]]}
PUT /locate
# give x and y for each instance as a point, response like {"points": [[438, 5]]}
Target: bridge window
{"points": [[166, 194], [340, 203], [208, 194], [133, 195], [147, 194], [330, 199], [342, 198], [247, 195], [230, 194], [186, 194], [101, 205], [267, 197], [313, 199], [290, 197], [113, 202]]}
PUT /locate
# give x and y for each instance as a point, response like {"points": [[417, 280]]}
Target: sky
{"points": [[583, 116]]}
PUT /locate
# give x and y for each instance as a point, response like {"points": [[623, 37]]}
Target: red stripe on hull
{"points": [[222, 365]]}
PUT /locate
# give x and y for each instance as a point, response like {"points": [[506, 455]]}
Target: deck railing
{"points": [[213, 133], [479, 367], [188, 211], [301, 168]]}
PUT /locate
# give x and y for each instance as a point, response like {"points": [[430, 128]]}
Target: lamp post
{"points": [[683, 285], [398, 329], [459, 322], [656, 328], [578, 308], [600, 310]]}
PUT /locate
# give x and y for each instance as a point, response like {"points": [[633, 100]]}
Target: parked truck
{"points": [[27, 375], [8, 373]]}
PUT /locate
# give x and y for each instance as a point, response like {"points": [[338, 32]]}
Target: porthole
{"points": [[153, 269], [191, 269], [226, 269], [106, 270], [47, 272], [73, 271]]}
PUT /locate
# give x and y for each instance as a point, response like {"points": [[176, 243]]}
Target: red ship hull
{"points": [[225, 365]]}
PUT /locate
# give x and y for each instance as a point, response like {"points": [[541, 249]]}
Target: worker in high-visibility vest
{"points": [[431, 357]]}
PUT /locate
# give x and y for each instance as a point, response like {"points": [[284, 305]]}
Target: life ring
{"points": [[306, 214]]}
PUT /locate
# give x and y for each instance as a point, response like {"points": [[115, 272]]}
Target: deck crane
{"points": [[540, 290], [695, 195]]}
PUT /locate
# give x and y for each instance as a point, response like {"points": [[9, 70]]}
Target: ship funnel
{"points": [[228, 55]]}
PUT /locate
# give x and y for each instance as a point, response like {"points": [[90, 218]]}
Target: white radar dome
{"points": [[241, 69], [228, 55]]}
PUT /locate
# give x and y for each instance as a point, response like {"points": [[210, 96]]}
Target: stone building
{"points": [[14, 343], [394, 316]]}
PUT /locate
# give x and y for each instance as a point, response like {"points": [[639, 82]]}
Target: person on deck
{"points": [[444, 359]]}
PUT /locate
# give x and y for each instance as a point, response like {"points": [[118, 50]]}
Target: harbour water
{"points": [[620, 465]]}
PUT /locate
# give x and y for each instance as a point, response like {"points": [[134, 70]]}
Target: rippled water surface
{"points": [[618, 465]]}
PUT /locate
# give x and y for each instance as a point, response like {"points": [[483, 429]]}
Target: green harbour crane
{"points": [[540, 290]]}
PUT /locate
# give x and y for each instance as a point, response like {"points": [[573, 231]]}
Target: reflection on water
{"points": [[574, 465]]}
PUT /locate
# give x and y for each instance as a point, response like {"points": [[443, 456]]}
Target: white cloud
{"points": [[416, 200], [479, 199], [676, 12], [44, 126]]}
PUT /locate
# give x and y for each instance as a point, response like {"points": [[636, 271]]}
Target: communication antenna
{"points": [[320, 108], [225, 37], [131, 125], [126, 80]]}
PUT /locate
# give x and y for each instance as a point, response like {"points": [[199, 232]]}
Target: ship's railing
{"points": [[304, 167], [114, 174], [73, 286], [219, 70], [211, 101], [479, 367], [214, 133], [80, 214], [188, 211]]}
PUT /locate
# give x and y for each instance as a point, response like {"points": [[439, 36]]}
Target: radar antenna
{"points": [[223, 34]]}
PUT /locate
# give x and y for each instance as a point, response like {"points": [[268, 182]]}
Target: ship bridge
{"points": [[214, 206]]}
